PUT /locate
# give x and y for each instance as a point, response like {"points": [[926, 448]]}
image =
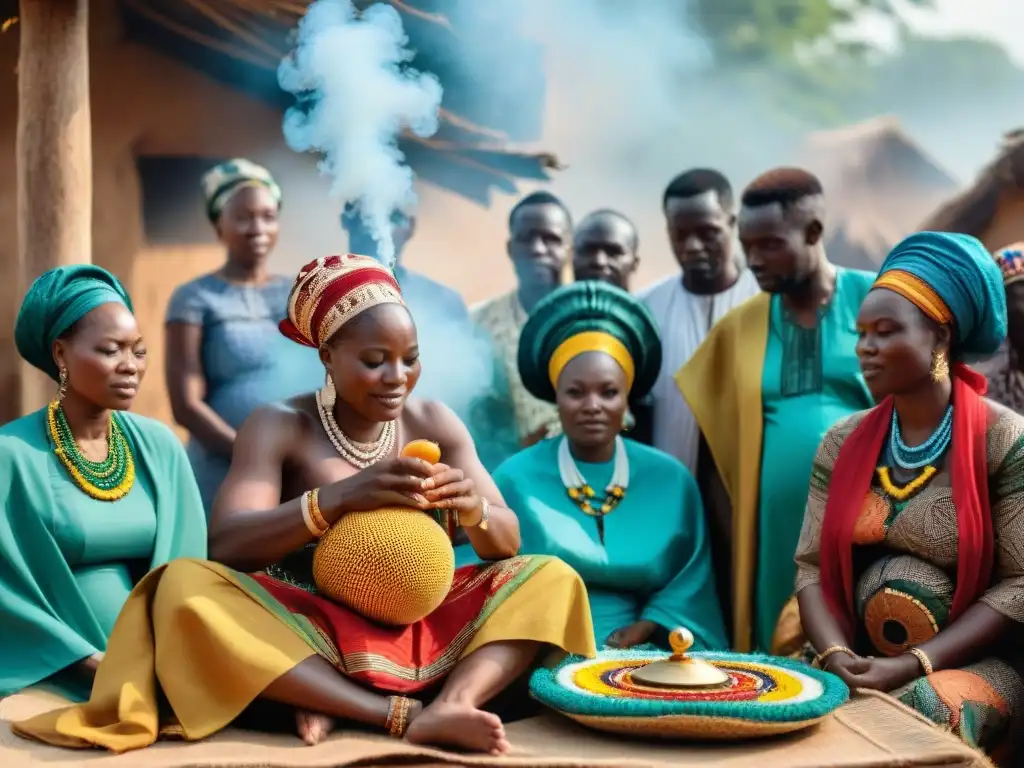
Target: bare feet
{"points": [[446, 723], [312, 727]]}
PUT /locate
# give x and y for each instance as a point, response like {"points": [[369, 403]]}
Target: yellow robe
{"points": [[722, 385]]}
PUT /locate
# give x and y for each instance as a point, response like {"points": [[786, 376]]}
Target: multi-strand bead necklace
{"points": [[107, 480], [924, 457]]}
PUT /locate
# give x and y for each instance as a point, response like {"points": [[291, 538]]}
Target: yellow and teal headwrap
{"points": [[58, 299], [221, 182], [584, 317], [953, 280]]}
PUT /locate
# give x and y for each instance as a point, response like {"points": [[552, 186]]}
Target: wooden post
{"points": [[54, 150]]}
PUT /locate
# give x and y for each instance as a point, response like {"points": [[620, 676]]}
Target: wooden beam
{"points": [[54, 150]]}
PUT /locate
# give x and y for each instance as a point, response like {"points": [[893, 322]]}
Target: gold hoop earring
{"points": [[940, 366], [62, 391]]}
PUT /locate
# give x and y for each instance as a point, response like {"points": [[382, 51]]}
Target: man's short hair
{"points": [[609, 213], [782, 186], [699, 181], [538, 198]]}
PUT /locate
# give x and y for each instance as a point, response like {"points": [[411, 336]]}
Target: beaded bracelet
{"points": [[398, 716], [821, 658], [311, 516], [922, 657]]}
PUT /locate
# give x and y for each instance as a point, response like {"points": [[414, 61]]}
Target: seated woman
{"points": [[221, 639], [628, 518], [92, 496], [911, 557]]}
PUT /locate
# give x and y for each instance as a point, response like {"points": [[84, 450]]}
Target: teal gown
{"points": [[810, 382], [655, 563], [68, 561]]}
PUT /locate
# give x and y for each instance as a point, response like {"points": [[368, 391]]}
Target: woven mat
{"points": [[872, 731]]}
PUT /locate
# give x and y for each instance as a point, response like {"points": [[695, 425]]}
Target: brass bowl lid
{"points": [[680, 670]]}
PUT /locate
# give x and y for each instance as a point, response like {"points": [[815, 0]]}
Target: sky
{"points": [[1001, 20]]}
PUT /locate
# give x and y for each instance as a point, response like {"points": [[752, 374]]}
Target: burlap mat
{"points": [[872, 731]]}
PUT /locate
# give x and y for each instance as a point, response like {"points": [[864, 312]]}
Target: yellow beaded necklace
{"points": [[107, 480], [902, 493]]}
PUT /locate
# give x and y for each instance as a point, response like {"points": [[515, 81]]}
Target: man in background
{"points": [[540, 234], [700, 218], [605, 247], [768, 382], [421, 293]]}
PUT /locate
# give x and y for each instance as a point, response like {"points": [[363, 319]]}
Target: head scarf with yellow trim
{"points": [[953, 280], [584, 317], [329, 292], [223, 181]]}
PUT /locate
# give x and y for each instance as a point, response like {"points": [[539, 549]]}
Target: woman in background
{"points": [[911, 558], [225, 357], [628, 518], [92, 496], [1004, 371]]}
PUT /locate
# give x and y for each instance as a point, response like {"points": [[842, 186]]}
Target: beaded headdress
{"points": [[1011, 263], [331, 291]]}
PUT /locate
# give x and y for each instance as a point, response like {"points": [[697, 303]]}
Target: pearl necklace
{"points": [[359, 455]]}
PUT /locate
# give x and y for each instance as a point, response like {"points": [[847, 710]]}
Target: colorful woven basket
{"points": [[765, 695]]}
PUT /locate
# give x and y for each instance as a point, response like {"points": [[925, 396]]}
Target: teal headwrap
{"points": [[593, 308], [57, 300], [963, 276]]}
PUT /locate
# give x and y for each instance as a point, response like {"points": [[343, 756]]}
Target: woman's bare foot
{"points": [[445, 723], [312, 727]]}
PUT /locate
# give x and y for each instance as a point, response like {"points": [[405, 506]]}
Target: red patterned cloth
{"points": [[410, 658]]}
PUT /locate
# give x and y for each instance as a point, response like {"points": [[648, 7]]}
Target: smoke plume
{"points": [[356, 95]]}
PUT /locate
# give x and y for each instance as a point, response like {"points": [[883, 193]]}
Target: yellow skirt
{"points": [[209, 640]]}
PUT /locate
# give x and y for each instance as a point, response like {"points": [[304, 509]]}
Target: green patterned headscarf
{"points": [[583, 317], [57, 300], [221, 182]]}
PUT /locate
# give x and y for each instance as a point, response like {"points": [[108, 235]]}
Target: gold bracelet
{"points": [[314, 510], [398, 716], [309, 517], [926, 663], [821, 658]]}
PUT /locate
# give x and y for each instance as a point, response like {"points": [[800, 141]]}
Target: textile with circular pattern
{"points": [[765, 695]]}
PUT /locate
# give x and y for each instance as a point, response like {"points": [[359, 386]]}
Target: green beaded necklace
{"points": [[107, 480]]}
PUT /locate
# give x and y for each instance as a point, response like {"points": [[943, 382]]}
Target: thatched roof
{"points": [[973, 210], [242, 42], [879, 182]]}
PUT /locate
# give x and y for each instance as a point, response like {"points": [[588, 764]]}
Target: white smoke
{"points": [[357, 95]]}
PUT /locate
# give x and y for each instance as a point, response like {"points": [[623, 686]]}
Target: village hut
{"points": [[991, 209], [879, 183], [111, 109]]}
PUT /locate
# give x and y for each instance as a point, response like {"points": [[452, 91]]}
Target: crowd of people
{"points": [[778, 453]]}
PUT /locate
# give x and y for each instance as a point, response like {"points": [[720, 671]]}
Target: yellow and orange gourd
{"points": [[394, 565]]}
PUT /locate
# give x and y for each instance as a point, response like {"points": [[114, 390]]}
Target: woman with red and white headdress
{"points": [[212, 640]]}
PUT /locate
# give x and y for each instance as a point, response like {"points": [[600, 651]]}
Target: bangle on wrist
{"points": [[311, 515], [922, 657], [481, 521], [821, 658]]}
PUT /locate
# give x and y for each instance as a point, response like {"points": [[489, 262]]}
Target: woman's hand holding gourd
{"points": [[391, 483], [448, 488]]}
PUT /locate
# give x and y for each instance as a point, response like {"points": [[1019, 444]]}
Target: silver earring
{"points": [[328, 395], [62, 392]]}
